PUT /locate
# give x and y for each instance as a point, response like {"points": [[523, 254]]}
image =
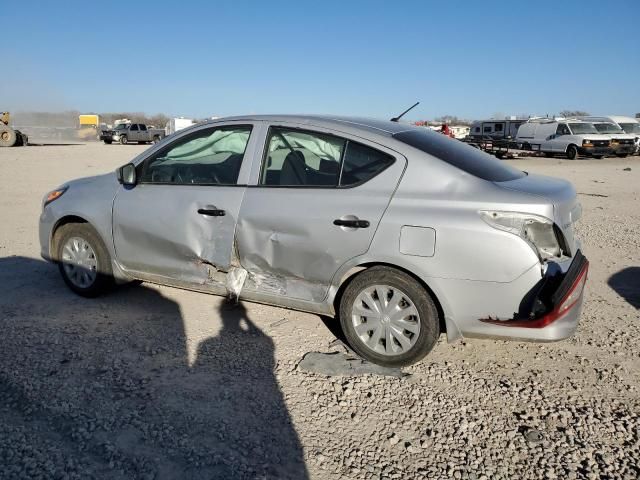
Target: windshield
{"points": [[582, 128], [631, 127], [121, 126], [608, 128], [460, 155]]}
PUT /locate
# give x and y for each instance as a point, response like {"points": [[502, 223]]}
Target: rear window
{"points": [[460, 155]]}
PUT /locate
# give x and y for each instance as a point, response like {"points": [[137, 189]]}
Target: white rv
{"points": [[496, 128], [176, 124], [628, 125], [563, 136]]}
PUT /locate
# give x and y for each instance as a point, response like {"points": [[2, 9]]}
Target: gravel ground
{"points": [[158, 383]]}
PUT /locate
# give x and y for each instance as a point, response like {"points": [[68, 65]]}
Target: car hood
{"points": [[93, 181], [561, 193]]}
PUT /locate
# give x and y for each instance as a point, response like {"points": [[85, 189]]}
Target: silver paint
{"points": [[295, 257]]}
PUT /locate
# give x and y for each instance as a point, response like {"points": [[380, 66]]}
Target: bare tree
{"points": [[573, 113]]}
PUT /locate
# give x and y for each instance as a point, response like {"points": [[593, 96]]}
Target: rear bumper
{"points": [[551, 309]]}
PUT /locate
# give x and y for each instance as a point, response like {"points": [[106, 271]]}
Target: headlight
{"points": [[54, 195], [587, 143], [536, 230]]}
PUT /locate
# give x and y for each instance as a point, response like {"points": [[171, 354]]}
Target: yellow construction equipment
{"points": [[88, 127], [8, 136]]}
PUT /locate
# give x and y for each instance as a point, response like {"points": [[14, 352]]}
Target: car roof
{"points": [[370, 125]]}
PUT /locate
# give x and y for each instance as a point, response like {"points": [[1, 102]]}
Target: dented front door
{"points": [[177, 224]]}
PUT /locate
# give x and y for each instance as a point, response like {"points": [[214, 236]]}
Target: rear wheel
{"points": [[572, 152], [8, 136], [83, 259], [388, 318], [123, 139]]}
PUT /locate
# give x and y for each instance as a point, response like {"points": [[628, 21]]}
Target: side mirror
{"points": [[127, 175]]}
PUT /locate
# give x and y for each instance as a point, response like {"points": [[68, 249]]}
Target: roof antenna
{"points": [[395, 119]]}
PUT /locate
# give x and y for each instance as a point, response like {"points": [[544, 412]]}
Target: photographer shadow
{"points": [[106, 385]]}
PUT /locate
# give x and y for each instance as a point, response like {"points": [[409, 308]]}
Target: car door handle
{"points": [[211, 212], [351, 223]]}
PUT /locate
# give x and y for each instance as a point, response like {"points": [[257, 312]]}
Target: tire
{"points": [[572, 152], [141, 143], [424, 327], [123, 140], [94, 276], [108, 142], [598, 157], [8, 136]]}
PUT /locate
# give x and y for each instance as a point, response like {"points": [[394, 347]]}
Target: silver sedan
{"points": [[398, 232]]}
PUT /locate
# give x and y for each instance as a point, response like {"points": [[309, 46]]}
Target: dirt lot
{"points": [[154, 382]]}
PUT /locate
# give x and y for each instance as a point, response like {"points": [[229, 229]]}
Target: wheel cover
{"points": [[79, 262], [385, 320]]}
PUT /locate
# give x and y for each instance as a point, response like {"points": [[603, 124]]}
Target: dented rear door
{"points": [[177, 224], [292, 239]]}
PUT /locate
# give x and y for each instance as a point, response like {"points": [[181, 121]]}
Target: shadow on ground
{"points": [[103, 388], [626, 283]]}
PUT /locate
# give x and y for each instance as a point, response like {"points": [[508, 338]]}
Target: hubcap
{"points": [[385, 320], [80, 262]]}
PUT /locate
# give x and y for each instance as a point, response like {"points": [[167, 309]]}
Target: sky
{"points": [[472, 59]]}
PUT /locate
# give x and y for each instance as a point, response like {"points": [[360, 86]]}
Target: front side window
{"points": [[312, 159], [134, 127], [562, 129], [207, 157]]}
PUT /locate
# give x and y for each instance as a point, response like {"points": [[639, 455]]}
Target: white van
{"points": [[562, 136], [622, 144], [629, 125]]}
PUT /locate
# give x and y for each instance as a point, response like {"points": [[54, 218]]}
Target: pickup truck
{"points": [[130, 133]]}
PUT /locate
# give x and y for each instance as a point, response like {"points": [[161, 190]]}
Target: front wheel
{"points": [[572, 152], [123, 139], [388, 318], [83, 259]]}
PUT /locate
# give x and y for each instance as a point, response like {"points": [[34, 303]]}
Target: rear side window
{"points": [[362, 163], [303, 158], [460, 155]]}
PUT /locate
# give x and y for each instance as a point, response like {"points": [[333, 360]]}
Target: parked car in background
{"points": [[561, 136], [629, 125], [622, 144], [131, 133], [397, 231]]}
